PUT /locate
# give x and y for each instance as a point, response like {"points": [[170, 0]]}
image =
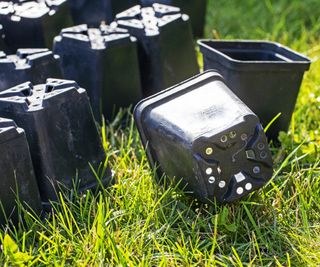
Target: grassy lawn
{"points": [[137, 222]]}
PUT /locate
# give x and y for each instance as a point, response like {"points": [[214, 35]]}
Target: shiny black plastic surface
{"points": [[199, 132]]}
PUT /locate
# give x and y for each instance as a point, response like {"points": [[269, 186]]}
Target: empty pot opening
{"points": [[253, 55]]}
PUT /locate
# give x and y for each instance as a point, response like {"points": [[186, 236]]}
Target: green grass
{"points": [[137, 222]]}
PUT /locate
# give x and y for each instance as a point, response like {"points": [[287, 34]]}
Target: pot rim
{"points": [[294, 60]]}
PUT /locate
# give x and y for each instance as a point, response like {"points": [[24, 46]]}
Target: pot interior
{"points": [[253, 55]]}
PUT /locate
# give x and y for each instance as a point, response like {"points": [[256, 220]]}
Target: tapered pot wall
{"points": [[19, 189], [266, 76]]}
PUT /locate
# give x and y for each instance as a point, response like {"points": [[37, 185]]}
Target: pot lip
{"points": [[167, 94], [9, 130], [206, 48]]}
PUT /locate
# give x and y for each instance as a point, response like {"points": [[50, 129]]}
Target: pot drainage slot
{"points": [[26, 92], [49, 88]]}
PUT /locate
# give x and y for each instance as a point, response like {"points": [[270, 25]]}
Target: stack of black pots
{"points": [[205, 131]]}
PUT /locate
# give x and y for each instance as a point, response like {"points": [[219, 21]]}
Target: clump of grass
{"points": [[138, 222]]}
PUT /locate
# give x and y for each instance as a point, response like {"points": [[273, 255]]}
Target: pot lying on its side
{"points": [[201, 132]]}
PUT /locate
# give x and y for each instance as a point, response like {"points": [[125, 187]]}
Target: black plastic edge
{"points": [[231, 63]]}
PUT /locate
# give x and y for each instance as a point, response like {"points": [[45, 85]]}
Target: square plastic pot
{"points": [[18, 181], [165, 44], [33, 24], [35, 65], [203, 136], [104, 61], [61, 132], [93, 12], [196, 9], [265, 75]]}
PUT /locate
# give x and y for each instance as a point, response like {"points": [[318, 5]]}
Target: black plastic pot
{"points": [[201, 133], [265, 75], [166, 49], [93, 12], [104, 61], [35, 65], [33, 24], [61, 132], [196, 9], [18, 182]]}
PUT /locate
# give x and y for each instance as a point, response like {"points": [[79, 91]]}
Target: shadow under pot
{"points": [[265, 75], [201, 135]]}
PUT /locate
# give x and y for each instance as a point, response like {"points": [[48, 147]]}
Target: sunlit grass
{"points": [[138, 222]]}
